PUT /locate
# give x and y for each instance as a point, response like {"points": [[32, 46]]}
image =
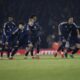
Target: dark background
{"points": [[50, 13]]}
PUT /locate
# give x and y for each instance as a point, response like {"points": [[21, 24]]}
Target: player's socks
{"points": [[66, 55]]}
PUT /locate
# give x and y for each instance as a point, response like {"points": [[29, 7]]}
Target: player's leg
{"points": [[14, 47], [8, 52], [74, 47], [77, 47], [67, 51], [2, 51], [74, 52], [70, 47], [37, 50], [3, 45], [27, 52], [13, 52], [61, 49], [32, 50], [9, 48], [29, 49], [66, 48]]}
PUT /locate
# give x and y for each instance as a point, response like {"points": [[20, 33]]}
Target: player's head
{"points": [[31, 21], [34, 17], [10, 18], [71, 20], [21, 26]]}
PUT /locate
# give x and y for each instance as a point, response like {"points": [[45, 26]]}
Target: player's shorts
{"points": [[34, 40], [23, 44]]}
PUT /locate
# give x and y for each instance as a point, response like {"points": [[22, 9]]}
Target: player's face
{"points": [[10, 19], [31, 22], [21, 26], [35, 18], [70, 21]]}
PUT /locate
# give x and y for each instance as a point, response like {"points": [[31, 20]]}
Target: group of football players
{"points": [[28, 36], [22, 36]]}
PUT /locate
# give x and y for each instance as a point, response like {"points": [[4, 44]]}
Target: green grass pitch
{"points": [[46, 68]]}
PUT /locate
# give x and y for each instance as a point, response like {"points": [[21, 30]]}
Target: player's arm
{"points": [[59, 29], [5, 30], [15, 31], [78, 35]]}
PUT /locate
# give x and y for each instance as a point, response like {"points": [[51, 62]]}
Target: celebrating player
{"points": [[8, 30]]}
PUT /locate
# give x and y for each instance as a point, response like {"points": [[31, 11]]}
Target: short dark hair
{"points": [[32, 16], [21, 22]]}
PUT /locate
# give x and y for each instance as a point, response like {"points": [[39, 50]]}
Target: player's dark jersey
{"points": [[34, 32], [64, 30], [73, 30], [67, 30], [73, 39], [22, 37], [8, 29]]}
